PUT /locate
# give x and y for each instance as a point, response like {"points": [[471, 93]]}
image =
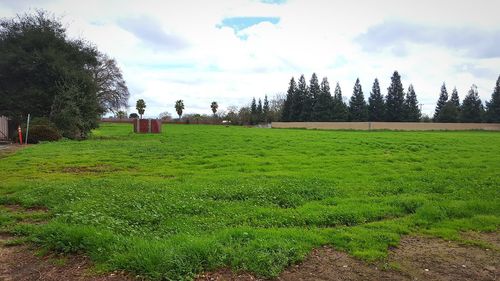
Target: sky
{"points": [[230, 51]]}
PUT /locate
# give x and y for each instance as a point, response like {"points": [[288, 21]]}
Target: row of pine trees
{"points": [[314, 102]]}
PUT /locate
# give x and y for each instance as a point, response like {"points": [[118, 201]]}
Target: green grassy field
{"points": [[198, 198]]}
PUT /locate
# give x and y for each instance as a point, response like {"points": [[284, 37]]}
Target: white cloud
{"points": [[213, 63]]}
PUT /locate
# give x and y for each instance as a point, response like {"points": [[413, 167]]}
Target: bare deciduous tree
{"points": [[112, 90]]}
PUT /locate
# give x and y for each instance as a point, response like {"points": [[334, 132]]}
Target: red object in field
{"points": [[147, 126], [20, 134]]}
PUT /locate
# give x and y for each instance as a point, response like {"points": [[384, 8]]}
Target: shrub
{"points": [[39, 133]]}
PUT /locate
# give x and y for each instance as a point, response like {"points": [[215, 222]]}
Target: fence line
{"points": [[403, 126]]}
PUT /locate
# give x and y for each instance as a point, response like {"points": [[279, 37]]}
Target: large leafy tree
{"points": [[339, 108], [412, 111], [286, 114], [443, 98], [358, 110], [395, 100], [493, 106], [376, 105], [472, 107], [323, 106], [46, 74], [140, 105]]}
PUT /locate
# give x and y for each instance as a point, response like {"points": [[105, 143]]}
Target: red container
{"points": [[147, 126]]}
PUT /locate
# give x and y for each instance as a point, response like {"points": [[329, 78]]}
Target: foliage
{"points": [[443, 98], [133, 115], [323, 106], [339, 108], [309, 95], [394, 100], [214, 106], [249, 199], [140, 105], [358, 110], [287, 114], [46, 74], [376, 104], [179, 107], [472, 107], [120, 114], [449, 113], [266, 110], [301, 94], [493, 106], [411, 109], [38, 133]]}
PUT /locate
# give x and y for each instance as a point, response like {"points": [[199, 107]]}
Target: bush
{"points": [[38, 133]]}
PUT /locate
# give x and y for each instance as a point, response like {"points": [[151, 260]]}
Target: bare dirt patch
{"points": [[19, 263], [436, 259], [416, 258], [8, 149]]}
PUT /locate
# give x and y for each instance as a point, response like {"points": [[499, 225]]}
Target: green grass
{"points": [[197, 198]]}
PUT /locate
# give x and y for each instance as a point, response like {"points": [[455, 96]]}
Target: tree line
{"points": [[314, 102]]}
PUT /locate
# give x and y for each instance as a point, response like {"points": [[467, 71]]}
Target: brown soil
{"points": [[416, 258], [8, 149]]}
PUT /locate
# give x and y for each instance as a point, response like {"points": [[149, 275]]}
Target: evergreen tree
{"points": [[298, 112], [265, 109], [455, 100], [253, 111], [308, 98], [412, 111], [339, 108], [394, 100], [323, 106], [443, 98], [260, 114], [286, 115], [376, 105], [449, 113], [358, 110], [472, 107], [493, 106]]}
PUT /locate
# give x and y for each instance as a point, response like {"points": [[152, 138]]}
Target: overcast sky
{"points": [[230, 51]]}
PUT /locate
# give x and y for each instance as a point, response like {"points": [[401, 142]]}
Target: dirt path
{"points": [[416, 258]]}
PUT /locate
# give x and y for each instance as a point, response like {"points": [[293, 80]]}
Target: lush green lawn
{"points": [[197, 198]]}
